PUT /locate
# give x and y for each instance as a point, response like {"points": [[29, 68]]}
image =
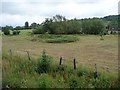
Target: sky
{"points": [[17, 12]]}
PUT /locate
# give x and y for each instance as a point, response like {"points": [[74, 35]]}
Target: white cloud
{"points": [[16, 12], [20, 20]]}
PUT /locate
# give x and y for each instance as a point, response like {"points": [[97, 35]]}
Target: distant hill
{"points": [[111, 18]]}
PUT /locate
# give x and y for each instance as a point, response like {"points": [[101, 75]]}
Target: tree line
{"points": [[58, 24]]}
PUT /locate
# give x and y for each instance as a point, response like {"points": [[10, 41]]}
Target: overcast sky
{"points": [[16, 12]]}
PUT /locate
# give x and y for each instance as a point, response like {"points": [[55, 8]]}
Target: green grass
{"points": [[88, 50], [0, 32], [19, 72], [25, 32], [55, 38]]}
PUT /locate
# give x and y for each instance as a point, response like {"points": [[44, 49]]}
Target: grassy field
{"points": [[88, 50]]}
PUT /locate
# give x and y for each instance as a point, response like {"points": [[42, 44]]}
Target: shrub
{"points": [[38, 30], [35, 31], [101, 35], [61, 68], [114, 32], [44, 63], [16, 32], [81, 72], [102, 82], [111, 32], [6, 32], [73, 82], [105, 32]]}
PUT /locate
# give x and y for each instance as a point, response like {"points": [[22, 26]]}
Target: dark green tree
{"points": [[92, 26], [38, 29], [18, 28], [6, 30], [33, 25], [26, 25]]}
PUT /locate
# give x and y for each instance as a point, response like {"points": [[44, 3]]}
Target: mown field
{"points": [[88, 50]]}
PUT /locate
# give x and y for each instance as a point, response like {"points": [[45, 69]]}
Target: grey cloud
{"points": [[23, 10], [32, 7], [19, 8], [119, 7], [12, 8]]}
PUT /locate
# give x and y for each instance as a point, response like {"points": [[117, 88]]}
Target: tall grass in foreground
{"points": [[19, 72]]}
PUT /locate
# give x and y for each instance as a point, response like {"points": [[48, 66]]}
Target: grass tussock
{"points": [[20, 72]]}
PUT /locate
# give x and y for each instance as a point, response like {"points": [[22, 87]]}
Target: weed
{"points": [[73, 82], [44, 63]]}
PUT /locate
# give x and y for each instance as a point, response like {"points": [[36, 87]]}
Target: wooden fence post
{"points": [[60, 61], [28, 55], [107, 69], [10, 51], [96, 73], [74, 63]]}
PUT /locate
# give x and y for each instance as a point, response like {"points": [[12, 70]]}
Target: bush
{"points": [[44, 63], [114, 32], [38, 30], [82, 71], [105, 32], [61, 68], [111, 32], [6, 32], [101, 35], [35, 31], [102, 82], [73, 82], [16, 32]]}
